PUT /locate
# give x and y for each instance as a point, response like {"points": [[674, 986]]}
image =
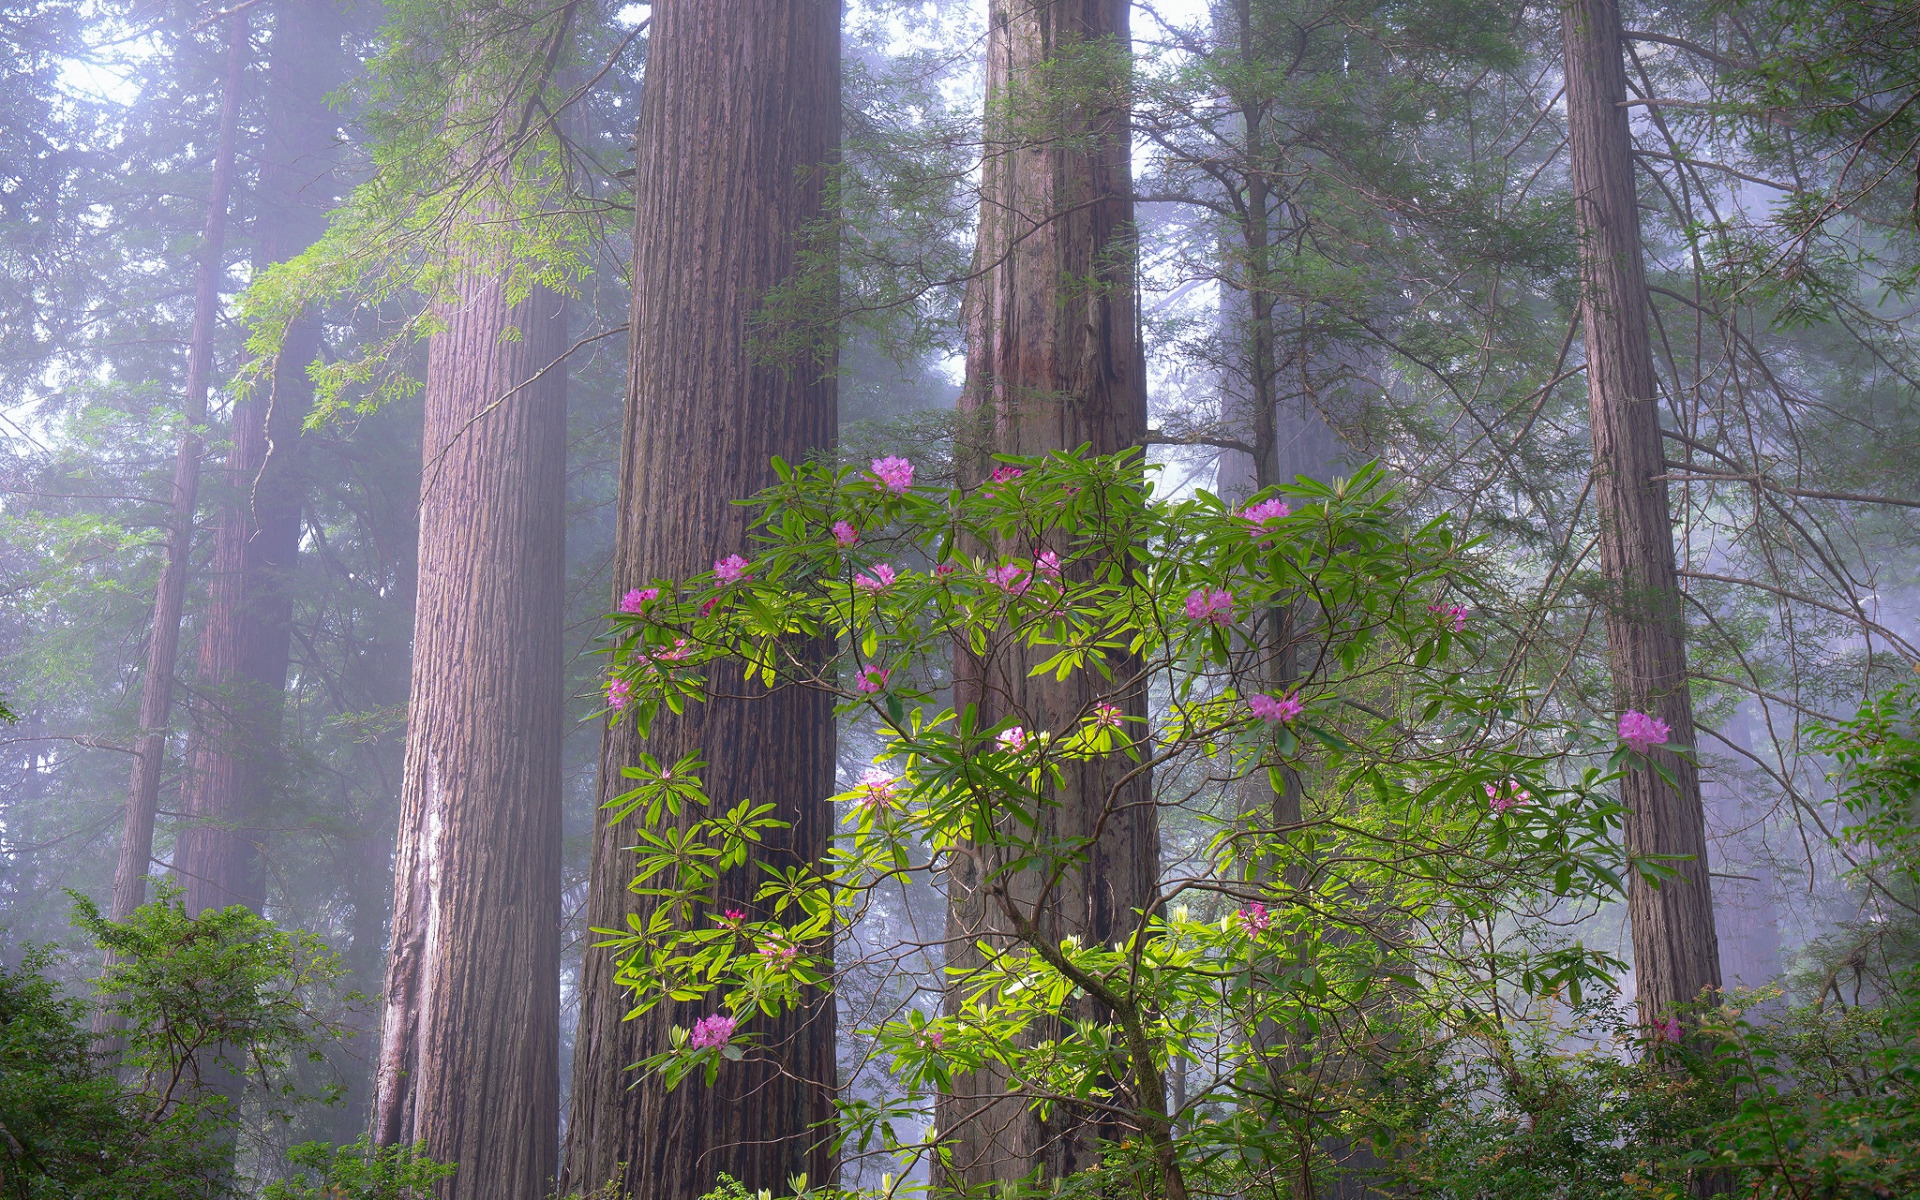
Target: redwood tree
{"points": [[469, 1064], [1675, 953], [739, 123], [163, 636], [247, 625], [1054, 363]]}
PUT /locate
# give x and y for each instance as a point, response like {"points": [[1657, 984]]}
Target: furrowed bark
{"points": [[469, 1054], [163, 637], [246, 629], [1675, 952], [1054, 361], [739, 121]]}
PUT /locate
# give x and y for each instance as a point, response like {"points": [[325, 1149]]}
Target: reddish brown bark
{"points": [[1675, 954], [469, 1055], [163, 638], [247, 625], [1054, 362], [740, 116]]}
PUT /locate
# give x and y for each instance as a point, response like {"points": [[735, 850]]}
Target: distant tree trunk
{"points": [[163, 637], [246, 629], [1054, 361], [1675, 954], [469, 1051], [739, 121]]}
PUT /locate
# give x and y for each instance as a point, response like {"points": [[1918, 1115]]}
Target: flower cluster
{"points": [[1642, 732], [877, 791], [731, 569], [619, 691], [1667, 1030], [711, 1033], [679, 651], [881, 579], [1254, 916], [1047, 563], [1009, 578], [1258, 515], [637, 599], [1450, 612], [1013, 739], [1106, 716], [844, 533], [873, 678], [779, 955], [894, 474], [946, 568], [1507, 795], [1272, 708], [928, 1039], [1207, 605]]}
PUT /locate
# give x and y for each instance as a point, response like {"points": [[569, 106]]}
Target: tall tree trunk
{"points": [[469, 1050], [163, 637], [739, 121], [1054, 361], [247, 627], [1675, 954]]}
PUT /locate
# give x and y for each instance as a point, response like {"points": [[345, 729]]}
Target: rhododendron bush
{"points": [[1445, 822]]}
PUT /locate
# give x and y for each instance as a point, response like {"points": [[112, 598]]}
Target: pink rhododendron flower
{"points": [[877, 791], [845, 533], [881, 579], [873, 678], [1106, 716], [1270, 708], [928, 1039], [713, 1032], [779, 954], [1641, 731], [637, 599], [734, 916], [731, 569], [1450, 612], [1259, 514], [1004, 472], [946, 568], [1013, 739], [1667, 1030], [619, 691], [1254, 917], [708, 607], [894, 473], [1009, 578], [1047, 563], [1215, 607], [1507, 795]]}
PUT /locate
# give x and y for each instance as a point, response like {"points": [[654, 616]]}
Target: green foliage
{"points": [[1829, 1099], [226, 991], [473, 175], [1403, 892], [1876, 757], [358, 1172], [209, 1003], [1508, 1110]]}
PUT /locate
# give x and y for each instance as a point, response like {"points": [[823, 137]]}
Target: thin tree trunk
{"points": [[1675, 954], [469, 1052], [1054, 361], [739, 121], [247, 626], [163, 637]]}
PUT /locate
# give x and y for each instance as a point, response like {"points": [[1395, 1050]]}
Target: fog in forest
{"points": [[959, 598]]}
